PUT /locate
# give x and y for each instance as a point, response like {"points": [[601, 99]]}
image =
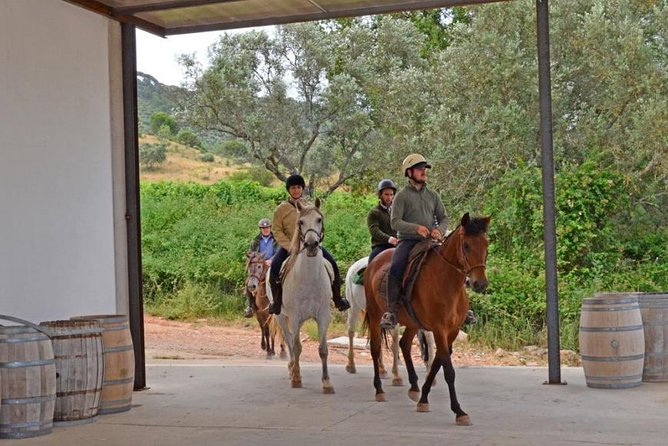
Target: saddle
{"points": [[415, 261]]}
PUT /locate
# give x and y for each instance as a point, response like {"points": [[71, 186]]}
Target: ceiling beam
{"points": [[166, 5], [352, 12], [107, 11]]}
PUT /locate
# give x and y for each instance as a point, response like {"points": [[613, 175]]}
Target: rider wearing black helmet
{"points": [[382, 235], [285, 223]]}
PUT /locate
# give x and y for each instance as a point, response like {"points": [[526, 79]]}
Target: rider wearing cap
{"points": [[417, 214], [382, 235], [265, 244], [285, 224]]}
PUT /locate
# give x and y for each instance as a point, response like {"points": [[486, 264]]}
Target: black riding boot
{"points": [[250, 309], [389, 320], [341, 303], [277, 293]]}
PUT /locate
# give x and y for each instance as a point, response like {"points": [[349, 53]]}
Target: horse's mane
{"points": [[476, 226], [295, 244]]}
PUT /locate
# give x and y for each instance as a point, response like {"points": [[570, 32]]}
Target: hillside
{"points": [[184, 164]]}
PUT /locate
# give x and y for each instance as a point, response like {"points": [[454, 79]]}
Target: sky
{"points": [[157, 56]]}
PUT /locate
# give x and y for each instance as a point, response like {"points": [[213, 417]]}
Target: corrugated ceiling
{"points": [[165, 17]]}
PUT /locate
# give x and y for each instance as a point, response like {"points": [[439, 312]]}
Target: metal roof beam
{"points": [[352, 12], [167, 5], [107, 11]]}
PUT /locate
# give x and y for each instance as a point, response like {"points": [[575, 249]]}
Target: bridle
{"points": [[253, 275], [320, 235], [464, 261]]}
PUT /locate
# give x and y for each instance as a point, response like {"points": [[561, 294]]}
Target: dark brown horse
{"points": [[256, 270], [439, 301]]}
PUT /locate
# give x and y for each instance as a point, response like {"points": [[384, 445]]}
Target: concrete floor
{"points": [[234, 403]]}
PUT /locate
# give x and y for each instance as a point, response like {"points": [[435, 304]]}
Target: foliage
{"points": [[162, 122], [343, 102], [188, 138], [152, 155], [207, 157]]}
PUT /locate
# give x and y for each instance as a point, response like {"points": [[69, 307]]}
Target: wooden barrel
{"points": [[654, 313], [612, 341], [28, 383], [77, 349], [119, 362]]}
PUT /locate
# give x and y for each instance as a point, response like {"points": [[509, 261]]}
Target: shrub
{"points": [[188, 138], [152, 155]]}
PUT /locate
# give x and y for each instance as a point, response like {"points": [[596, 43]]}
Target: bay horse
{"points": [[439, 302], [307, 291], [256, 270]]}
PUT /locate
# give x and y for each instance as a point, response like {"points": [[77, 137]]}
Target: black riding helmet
{"points": [[295, 180], [386, 184]]}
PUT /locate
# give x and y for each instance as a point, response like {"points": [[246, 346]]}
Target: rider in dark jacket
{"points": [[382, 235]]}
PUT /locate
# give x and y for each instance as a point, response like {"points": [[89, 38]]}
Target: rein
{"points": [[467, 267]]}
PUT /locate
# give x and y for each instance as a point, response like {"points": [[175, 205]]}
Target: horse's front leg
{"points": [[287, 336], [295, 375], [461, 417], [396, 379], [406, 343], [323, 325], [270, 342], [438, 361]]}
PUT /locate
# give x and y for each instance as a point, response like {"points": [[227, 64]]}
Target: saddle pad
{"points": [[358, 279]]}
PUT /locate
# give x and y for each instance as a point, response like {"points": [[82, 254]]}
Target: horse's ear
{"points": [[465, 219], [317, 203], [487, 220], [249, 254]]}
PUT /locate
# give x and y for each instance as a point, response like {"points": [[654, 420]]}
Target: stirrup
{"points": [[388, 321]]}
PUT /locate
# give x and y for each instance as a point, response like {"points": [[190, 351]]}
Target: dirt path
{"points": [[201, 339]]}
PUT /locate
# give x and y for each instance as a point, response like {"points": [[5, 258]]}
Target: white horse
{"points": [[357, 299], [307, 291]]}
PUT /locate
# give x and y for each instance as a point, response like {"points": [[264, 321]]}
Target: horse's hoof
{"points": [[464, 420], [296, 384], [351, 369], [328, 390], [423, 407], [398, 382], [380, 398], [414, 395]]}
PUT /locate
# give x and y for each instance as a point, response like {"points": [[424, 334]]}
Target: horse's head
{"points": [[254, 271], [310, 226], [474, 250]]}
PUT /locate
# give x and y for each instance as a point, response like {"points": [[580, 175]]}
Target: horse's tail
{"points": [[383, 331], [275, 329]]}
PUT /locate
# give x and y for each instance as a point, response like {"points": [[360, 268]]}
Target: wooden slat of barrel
{"points": [[654, 312], [28, 383], [77, 348], [119, 362], [612, 341]]}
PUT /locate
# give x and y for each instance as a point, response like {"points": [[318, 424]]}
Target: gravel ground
{"points": [[202, 339]]}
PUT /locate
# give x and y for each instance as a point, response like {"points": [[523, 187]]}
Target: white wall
{"points": [[57, 234]]}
